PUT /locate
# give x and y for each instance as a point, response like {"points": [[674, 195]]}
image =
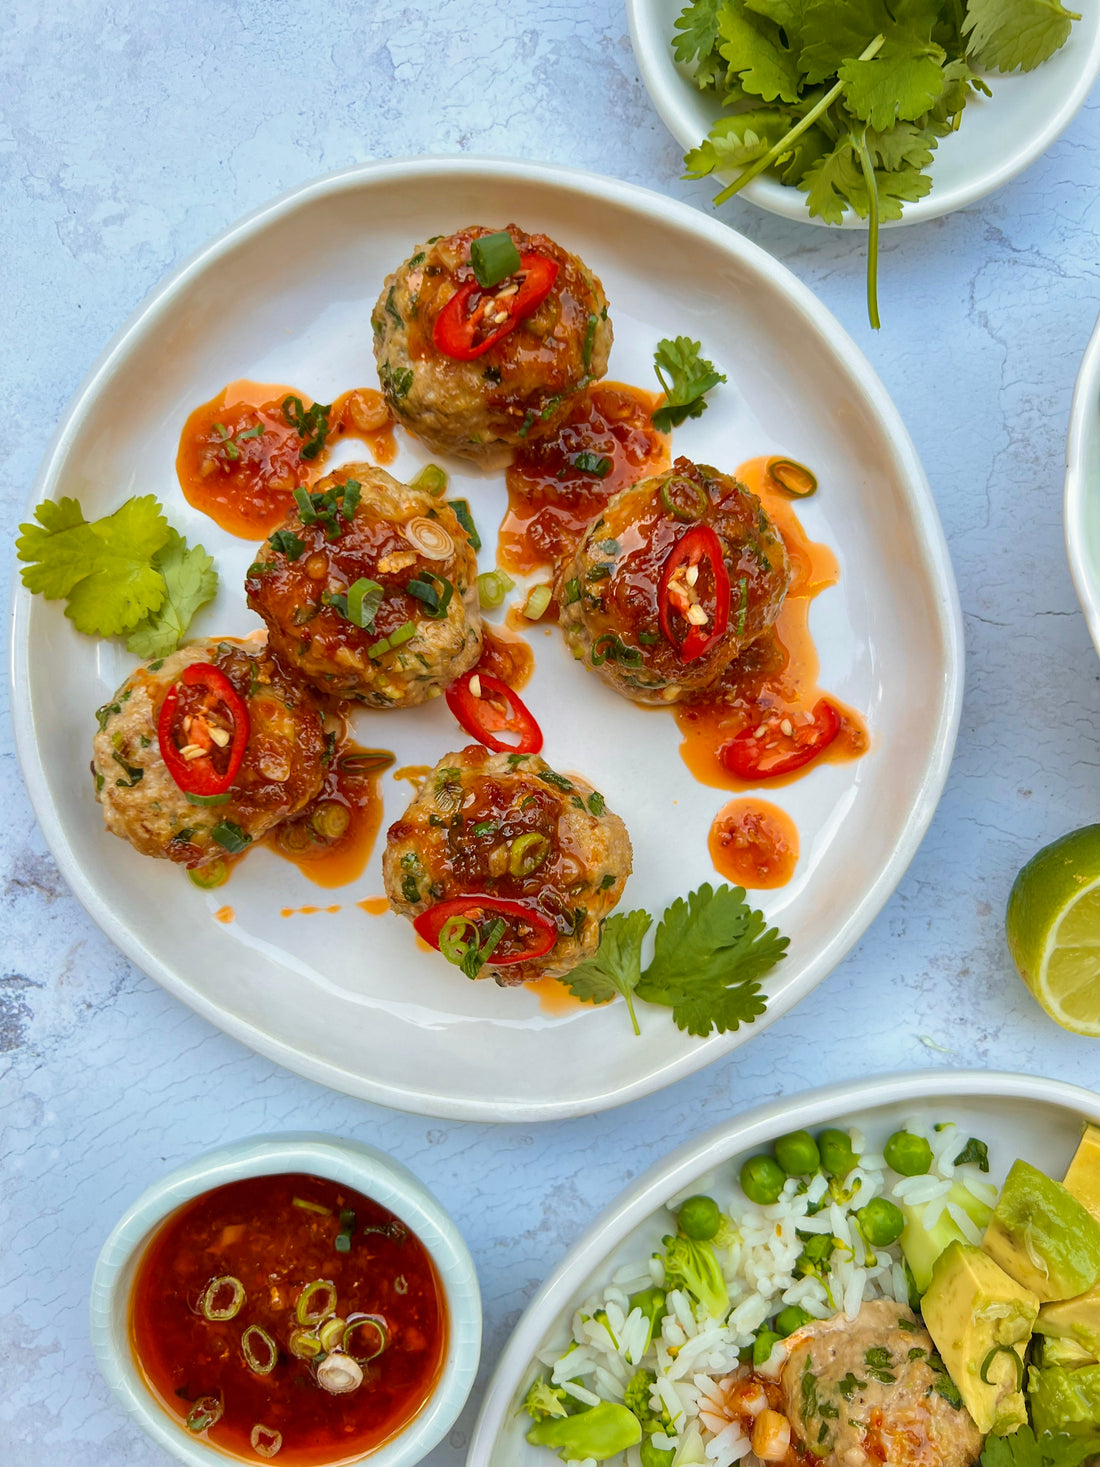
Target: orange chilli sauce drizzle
{"points": [[551, 502], [257, 1232], [331, 840], [754, 844], [776, 672], [240, 458]]}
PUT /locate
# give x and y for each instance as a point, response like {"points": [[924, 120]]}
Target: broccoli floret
{"points": [[636, 1399], [636, 1395], [544, 1400], [692, 1266]]}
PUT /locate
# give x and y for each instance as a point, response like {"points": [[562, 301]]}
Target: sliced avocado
{"points": [[1067, 1353], [1073, 1319], [1065, 1400], [1083, 1177], [1042, 1236], [922, 1246], [981, 1321]]}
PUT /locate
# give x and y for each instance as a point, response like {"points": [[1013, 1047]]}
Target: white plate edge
{"points": [[936, 557], [1085, 406]]}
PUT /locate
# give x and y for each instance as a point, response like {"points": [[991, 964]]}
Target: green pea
{"points": [[762, 1347], [790, 1319], [762, 1179], [797, 1154], [882, 1223], [699, 1218], [837, 1156], [908, 1154], [652, 1304]]}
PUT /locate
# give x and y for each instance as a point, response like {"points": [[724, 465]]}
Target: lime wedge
{"points": [[1053, 929]]}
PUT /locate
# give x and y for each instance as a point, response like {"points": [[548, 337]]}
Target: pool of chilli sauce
{"points": [[558, 485], [253, 1231]]}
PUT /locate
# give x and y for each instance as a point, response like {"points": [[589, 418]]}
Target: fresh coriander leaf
{"points": [[787, 14], [697, 30], [735, 142], [830, 182], [901, 83], [757, 54], [907, 144], [974, 1150], [1016, 35], [61, 548], [190, 581], [685, 377], [123, 585], [709, 954], [617, 964], [833, 34]]}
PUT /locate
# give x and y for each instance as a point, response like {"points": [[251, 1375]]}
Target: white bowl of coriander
{"points": [[996, 138]]}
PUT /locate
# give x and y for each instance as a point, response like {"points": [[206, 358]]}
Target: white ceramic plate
{"points": [[349, 999], [1082, 501], [999, 136], [1017, 1115]]}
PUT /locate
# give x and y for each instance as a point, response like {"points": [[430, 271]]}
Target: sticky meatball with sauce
{"points": [[874, 1396], [219, 721], [677, 576], [371, 592], [501, 844], [477, 371]]}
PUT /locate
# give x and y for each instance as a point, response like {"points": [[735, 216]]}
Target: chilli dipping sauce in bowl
{"points": [[293, 1298]]}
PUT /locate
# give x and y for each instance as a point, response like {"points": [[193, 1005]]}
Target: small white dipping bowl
{"points": [[350, 1162]]}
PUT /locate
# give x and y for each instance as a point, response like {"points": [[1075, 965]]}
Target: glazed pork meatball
{"points": [[874, 1398], [371, 594], [676, 577], [476, 371], [176, 726], [511, 846]]}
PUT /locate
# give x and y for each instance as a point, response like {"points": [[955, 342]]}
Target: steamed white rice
{"points": [[694, 1352]]}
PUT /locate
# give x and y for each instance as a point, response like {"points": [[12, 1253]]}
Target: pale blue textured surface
{"points": [[130, 133]]}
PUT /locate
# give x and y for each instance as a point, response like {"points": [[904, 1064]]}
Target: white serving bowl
{"points": [[999, 137], [355, 1165], [1082, 498]]}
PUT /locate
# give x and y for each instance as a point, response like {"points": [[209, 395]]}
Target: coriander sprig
{"points": [[710, 951]]}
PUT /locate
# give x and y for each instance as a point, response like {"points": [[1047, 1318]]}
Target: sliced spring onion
{"points": [[205, 1413], [429, 538], [364, 599], [608, 646], [296, 836], [432, 480], [492, 938], [339, 1373], [494, 257], [1012, 1355], [466, 520], [796, 478], [193, 799], [436, 601], [492, 587], [455, 938], [231, 837], [347, 1228], [743, 606], [404, 633], [303, 1344], [537, 601], [331, 819], [527, 853], [572, 592], [259, 1350], [683, 498], [332, 1332], [366, 761], [206, 878], [266, 1441], [593, 463], [366, 1336], [307, 1206], [222, 1298], [316, 1302]]}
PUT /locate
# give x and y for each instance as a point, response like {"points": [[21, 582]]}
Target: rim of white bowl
{"points": [[681, 1166], [595, 188], [667, 87], [355, 1164], [1084, 425]]}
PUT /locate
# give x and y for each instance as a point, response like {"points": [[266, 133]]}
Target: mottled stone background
{"points": [[132, 131]]}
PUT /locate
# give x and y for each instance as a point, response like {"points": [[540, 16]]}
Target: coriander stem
{"points": [[630, 1006], [777, 151], [872, 226]]}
